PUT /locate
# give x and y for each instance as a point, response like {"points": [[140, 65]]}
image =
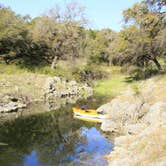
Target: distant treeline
{"points": [[60, 34]]}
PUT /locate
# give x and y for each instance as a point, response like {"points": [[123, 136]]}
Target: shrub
{"points": [[143, 73], [88, 73]]}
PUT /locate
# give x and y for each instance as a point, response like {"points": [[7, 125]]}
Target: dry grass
{"points": [[26, 84], [146, 149]]}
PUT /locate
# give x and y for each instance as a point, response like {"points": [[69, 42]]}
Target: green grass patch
{"points": [[11, 69], [111, 87], [46, 70]]}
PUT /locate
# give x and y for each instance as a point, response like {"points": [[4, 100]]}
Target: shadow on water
{"points": [[53, 138]]}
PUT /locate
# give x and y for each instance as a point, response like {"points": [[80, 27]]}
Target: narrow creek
{"points": [[53, 138]]}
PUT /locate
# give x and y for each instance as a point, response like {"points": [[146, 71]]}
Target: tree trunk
{"points": [[54, 62], [157, 63]]}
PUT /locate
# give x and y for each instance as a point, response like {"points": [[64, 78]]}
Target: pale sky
{"points": [[101, 13]]}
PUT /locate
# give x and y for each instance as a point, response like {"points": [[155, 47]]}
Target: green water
{"points": [[53, 138]]}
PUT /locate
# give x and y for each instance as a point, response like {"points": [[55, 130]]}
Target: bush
{"points": [[99, 58], [138, 73], [143, 73], [88, 73]]}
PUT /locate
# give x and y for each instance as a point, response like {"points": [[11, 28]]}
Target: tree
{"points": [[158, 5], [97, 45], [69, 36], [13, 33], [61, 39], [59, 34], [150, 23], [122, 48]]}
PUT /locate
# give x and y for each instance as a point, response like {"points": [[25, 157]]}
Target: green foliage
{"points": [[142, 73], [97, 44], [88, 73], [60, 35], [158, 5], [138, 73], [13, 33], [144, 45], [99, 58], [43, 40], [11, 25]]}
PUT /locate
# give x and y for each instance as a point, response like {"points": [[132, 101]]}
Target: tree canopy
{"points": [[61, 34]]}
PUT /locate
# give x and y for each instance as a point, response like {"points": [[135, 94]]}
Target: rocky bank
{"points": [[16, 92], [138, 117]]}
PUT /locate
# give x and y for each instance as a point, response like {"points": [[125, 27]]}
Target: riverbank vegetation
{"points": [[58, 43], [41, 57]]}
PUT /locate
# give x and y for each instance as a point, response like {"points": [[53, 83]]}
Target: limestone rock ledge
{"points": [[60, 87], [140, 123], [17, 92]]}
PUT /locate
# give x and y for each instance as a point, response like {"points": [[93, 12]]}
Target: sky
{"points": [[100, 13]]}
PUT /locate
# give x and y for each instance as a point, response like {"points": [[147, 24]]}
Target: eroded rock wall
{"points": [[140, 121], [17, 92]]}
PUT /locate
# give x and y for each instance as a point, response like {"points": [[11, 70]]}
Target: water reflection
{"points": [[50, 139], [31, 160], [85, 153], [90, 153]]}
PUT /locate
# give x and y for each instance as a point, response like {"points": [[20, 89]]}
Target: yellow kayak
{"points": [[89, 115]]}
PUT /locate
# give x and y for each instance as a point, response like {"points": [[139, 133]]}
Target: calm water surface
{"points": [[53, 138]]}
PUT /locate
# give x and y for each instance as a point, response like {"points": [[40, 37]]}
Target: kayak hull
{"points": [[88, 115]]}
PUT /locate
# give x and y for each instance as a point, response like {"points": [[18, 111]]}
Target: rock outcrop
{"points": [[140, 121], [60, 87], [59, 90], [11, 103], [17, 93]]}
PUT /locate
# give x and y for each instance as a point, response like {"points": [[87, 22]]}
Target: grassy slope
{"points": [[63, 69], [21, 82], [14, 69], [114, 85], [29, 82], [109, 87], [117, 82]]}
